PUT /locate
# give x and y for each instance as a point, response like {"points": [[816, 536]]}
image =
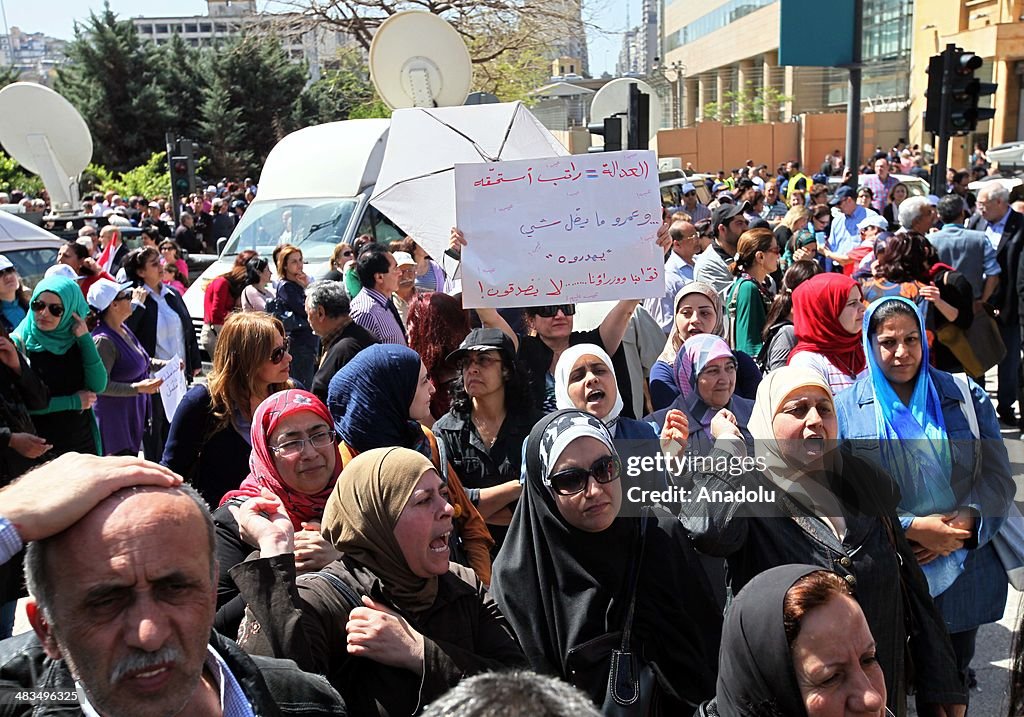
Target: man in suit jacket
{"points": [[1005, 231], [966, 250]]}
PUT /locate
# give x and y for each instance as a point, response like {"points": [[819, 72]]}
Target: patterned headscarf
{"points": [[694, 356], [668, 354], [263, 473]]}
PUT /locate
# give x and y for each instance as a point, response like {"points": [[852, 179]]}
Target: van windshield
{"points": [[315, 225]]}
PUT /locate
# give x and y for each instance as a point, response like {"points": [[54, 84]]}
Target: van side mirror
{"points": [[221, 243]]}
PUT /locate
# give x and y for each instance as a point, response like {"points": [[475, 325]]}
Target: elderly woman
{"points": [[392, 623], [827, 312], [490, 417], [707, 367], [779, 652], [56, 342], [209, 440], [573, 532], [947, 457], [381, 398], [811, 503], [698, 310], [341, 338], [294, 458], [124, 405]]}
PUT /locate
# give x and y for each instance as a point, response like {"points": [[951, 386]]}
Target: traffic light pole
{"points": [[942, 138], [172, 150]]}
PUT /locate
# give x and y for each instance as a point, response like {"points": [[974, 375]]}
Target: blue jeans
{"points": [[7, 611], [1009, 369]]}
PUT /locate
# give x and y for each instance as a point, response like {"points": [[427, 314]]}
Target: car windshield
{"points": [[32, 263], [315, 225]]}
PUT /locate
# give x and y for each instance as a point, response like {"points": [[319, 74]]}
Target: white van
{"points": [[314, 193]]}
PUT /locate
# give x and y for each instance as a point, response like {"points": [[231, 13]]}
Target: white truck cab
{"points": [[313, 193]]}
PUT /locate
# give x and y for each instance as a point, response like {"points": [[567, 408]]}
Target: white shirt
{"points": [[170, 337]]}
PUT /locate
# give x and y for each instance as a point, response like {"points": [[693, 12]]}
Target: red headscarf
{"points": [[262, 471], [817, 304]]}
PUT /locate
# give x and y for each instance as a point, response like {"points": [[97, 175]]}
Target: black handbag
{"points": [[631, 683]]}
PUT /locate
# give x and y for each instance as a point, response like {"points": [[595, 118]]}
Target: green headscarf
{"points": [[61, 338]]}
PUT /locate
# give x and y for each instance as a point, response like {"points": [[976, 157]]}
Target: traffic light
{"points": [[180, 179], [611, 129], [954, 93]]}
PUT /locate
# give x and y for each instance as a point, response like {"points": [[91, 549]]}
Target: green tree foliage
{"points": [[249, 103], [182, 79], [747, 106], [13, 176], [147, 180], [8, 75], [343, 92], [114, 81]]}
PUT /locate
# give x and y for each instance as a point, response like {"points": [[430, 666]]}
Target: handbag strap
{"points": [[627, 628], [970, 413]]}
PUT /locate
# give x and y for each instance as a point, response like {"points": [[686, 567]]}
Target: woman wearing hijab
{"points": [[56, 341], [380, 398], [808, 502], [294, 457], [392, 623], [564, 577], [955, 485], [827, 312], [706, 366], [780, 656], [698, 310]]}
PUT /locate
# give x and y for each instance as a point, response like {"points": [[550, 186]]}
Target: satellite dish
{"points": [[419, 60], [613, 99], [47, 136]]}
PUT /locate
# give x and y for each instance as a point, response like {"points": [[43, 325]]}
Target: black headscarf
{"points": [[560, 587], [755, 669]]}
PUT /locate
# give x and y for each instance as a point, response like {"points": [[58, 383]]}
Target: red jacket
{"points": [[218, 301]]}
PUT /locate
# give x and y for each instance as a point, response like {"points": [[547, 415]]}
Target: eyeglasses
{"points": [[56, 310], [550, 312], [320, 439], [277, 355], [123, 296], [347, 253], [482, 360], [574, 480]]}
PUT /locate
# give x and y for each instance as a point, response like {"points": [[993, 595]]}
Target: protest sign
{"points": [[172, 390], [560, 230]]}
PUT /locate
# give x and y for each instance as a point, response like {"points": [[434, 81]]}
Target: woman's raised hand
{"points": [[263, 522], [312, 551], [456, 241], [724, 424], [377, 632], [78, 325], [675, 432]]}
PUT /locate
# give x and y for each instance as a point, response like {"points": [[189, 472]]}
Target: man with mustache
{"points": [[123, 606]]}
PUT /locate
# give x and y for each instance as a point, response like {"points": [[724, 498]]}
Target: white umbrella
{"points": [[416, 184]]}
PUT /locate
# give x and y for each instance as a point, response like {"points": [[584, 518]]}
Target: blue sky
{"points": [[57, 17]]}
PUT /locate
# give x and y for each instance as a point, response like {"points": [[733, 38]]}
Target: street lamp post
{"points": [[660, 72]]}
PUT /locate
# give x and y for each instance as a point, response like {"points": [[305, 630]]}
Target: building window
{"points": [[205, 27], [160, 29], [220, 27], [715, 20], [191, 27]]}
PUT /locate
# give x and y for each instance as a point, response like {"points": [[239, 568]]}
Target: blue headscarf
{"points": [[60, 339], [913, 444], [369, 398]]}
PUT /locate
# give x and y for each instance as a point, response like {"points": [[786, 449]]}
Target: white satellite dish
{"points": [[47, 136], [613, 99], [419, 60]]}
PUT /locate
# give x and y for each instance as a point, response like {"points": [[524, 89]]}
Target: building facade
{"points": [[301, 38], [992, 29], [34, 55], [730, 49]]}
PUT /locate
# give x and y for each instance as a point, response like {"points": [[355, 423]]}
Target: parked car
{"points": [[30, 248]]}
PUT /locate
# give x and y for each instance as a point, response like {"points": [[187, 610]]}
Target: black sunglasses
{"points": [[277, 355], [550, 312], [55, 310], [347, 253], [574, 480]]}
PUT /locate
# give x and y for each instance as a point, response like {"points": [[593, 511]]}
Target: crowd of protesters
{"points": [[406, 493]]}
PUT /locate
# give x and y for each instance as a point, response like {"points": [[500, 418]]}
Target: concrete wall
{"points": [[824, 133], [711, 146]]}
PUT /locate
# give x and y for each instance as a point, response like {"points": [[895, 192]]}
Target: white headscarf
{"points": [[564, 367], [675, 340]]}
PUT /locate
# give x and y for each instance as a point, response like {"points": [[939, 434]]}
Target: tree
{"points": [[507, 39], [182, 80], [147, 180], [344, 92], [746, 106], [249, 104], [114, 81], [8, 75], [13, 176]]}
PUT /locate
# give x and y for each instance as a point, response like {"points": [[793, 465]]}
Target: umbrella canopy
{"points": [[416, 184]]}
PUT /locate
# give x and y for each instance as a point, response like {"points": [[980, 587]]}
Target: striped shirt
{"points": [[370, 310], [10, 541]]}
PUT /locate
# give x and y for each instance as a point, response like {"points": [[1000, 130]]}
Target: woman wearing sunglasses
{"points": [[550, 333], [170, 253], [257, 289], [209, 437], [56, 341], [564, 576], [13, 297], [124, 405], [341, 255], [294, 458]]}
